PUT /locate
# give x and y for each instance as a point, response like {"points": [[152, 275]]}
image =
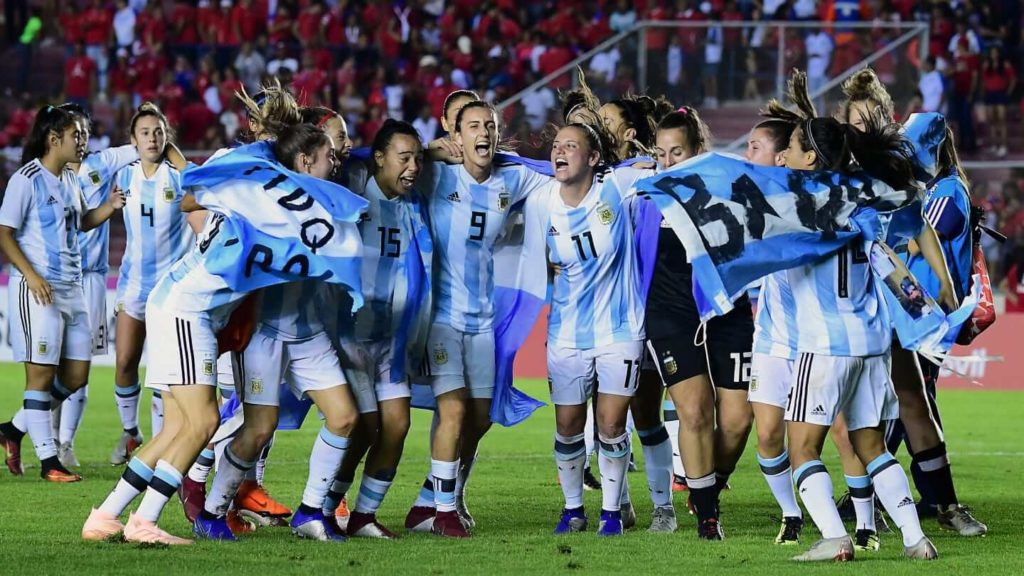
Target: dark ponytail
{"points": [[295, 139], [48, 119], [698, 135], [779, 131]]}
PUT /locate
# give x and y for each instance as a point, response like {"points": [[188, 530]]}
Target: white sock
{"points": [[324, 461], [18, 420], [779, 474], [339, 488], [444, 474], [862, 492], [226, 482], [371, 494], [127, 399], [465, 469], [165, 482], [134, 481], [425, 498], [658, 465], [261, 463], [570, 455], [815, 487], [156, 413], [200, 470], [672, 427], [37, 421], [71, 415], [613, 458], [893, 490]]}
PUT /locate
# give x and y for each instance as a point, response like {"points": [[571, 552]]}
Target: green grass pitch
{"points": [[515, 498]]}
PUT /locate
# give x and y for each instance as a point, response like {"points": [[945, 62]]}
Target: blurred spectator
{"points": [[622, 17], [99, 140], [185, 24], [310, 84], [80, 78], [537, 105], [16, 16], [931, 87], [998, 80], [124, 25], [965, 89], [352, 106], [251, 67], [281, 27], [966, 34], [249, 23], [554, 58], [426, 125], [97, 30], [153, 27], [282, 60], [819, 48], [26, 46], [712, 60], [119, 87], [1012, 285]]}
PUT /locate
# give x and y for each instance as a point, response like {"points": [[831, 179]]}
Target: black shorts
{"points": [[725, 356]]}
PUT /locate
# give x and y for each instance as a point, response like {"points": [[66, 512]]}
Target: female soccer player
{"points": [[335, 126], [468, 205], [375, 348], [42, 212], [595, 326], [698, 377], [914, 376], [191, 303], [841, 338], [158, 235]]}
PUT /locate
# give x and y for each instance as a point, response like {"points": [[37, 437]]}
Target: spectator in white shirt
{"points": [[124, 25], [623, 17], [962, 31], [536, 106], [426, 125], [930, 86], [819, 47]]}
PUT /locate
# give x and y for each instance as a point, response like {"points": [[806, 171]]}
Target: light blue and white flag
{"points": [[288, 226]]}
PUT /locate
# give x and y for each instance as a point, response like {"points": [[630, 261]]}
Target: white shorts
{"points": [[95, 286], [46, 334], [572, 372], [367, 365], [457, 360], [188, 354], [226, 373], [858, 388], [771, 379], [130, 305], [304, 366]]}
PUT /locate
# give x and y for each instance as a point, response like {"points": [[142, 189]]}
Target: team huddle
{"points": [[409, 281]]}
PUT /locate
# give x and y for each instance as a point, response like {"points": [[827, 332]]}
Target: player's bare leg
{"points": [[381, 467], [695, 405], [131, 337], [646, 408], [474, 427]]}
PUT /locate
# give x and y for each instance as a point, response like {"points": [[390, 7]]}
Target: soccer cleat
{"points": [[663, 520], [313, 527], [590, 482], [125, 446], [880, 523], [923, 550], [847, 512], [341, 516], [253, 500], [789, 532], [611, 523], [420, 519], [572, 520], [99, 526], [60, 475], [147, 532], [12, 448], [710, 529], [66, 455], [363, 525], [239, 524], [193, 498], [464, 515], [628, 514], [679, 483], [866, 541], [960, 520], [213, 529], [449, 524], [829, 550]]}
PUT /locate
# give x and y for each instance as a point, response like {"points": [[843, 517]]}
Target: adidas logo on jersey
{"points": [[553, 231], [454, 197], [51, 201], [819, 410], [905, 502]]}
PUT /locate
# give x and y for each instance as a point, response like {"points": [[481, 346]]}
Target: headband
{"points": [[325, 120], [814, 145]]}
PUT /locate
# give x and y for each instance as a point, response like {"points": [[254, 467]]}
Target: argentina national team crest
{"points": [[169, 194], [669, 362], [504, 200], [605, 214], [256, 385], [43, 346], [94, 177], [440, 354], [208, 366]]}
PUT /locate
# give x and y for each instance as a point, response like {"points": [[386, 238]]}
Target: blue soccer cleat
{"points": [[312, 525], [611, 523], [207, 528], [574, 520]]}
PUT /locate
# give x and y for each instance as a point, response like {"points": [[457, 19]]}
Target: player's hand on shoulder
{"points": [[444, 149], [40, 289], [117, 198]]}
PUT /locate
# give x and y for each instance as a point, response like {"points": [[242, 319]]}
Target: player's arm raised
{"points": [[100, 214]]}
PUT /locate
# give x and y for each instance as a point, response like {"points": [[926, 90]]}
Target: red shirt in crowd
{"points": [[195, 118], [308, 24], [592, 33], [172, 100], [389, 38], [657, 38], [281, 28], [118, 79], [145, 71], [323, 59], [436, 97], [308, 86], [184, 19], [78, 74], [97, 24], [71, 23], [691, 38], [965, 66], [333, 25], [552, 59], [152, 28], [248, 21], [20, 122], [998, 81], [222, 29]]}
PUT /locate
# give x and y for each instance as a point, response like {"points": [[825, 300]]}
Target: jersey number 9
{"points": [[478, 221]]}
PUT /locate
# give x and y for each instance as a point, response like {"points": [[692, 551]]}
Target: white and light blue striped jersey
{"points": [[293, 311], [158, 233], [596, 299], [189, 291], [387, 230], [95, 174], [832, 308], [46, 213], [466, 218]]}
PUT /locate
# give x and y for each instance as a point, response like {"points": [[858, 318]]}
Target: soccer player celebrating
{"points": [[595, 328], [468, 204], [43, 210], [842, 342], [158, 235], [698, 376], [375, 348]]}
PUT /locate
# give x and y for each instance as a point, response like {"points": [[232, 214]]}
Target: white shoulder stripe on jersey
{"points": [[936, 209]]}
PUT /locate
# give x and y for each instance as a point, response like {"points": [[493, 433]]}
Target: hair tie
{"points": [[683, 110]]}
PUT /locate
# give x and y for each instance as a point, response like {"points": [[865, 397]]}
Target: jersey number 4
{"points": [[147, 214], [584, 241]]}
